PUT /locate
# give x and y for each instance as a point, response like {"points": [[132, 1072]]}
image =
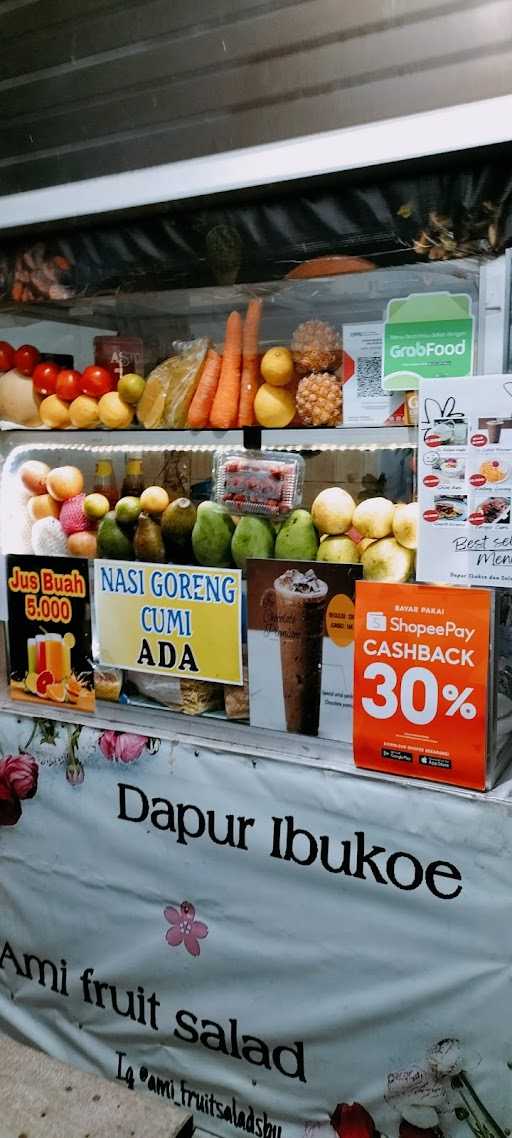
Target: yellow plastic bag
{"points": [[184, 371]]}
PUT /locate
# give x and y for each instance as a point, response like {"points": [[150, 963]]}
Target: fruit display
{"points": [[65, 516], [236, 384]]}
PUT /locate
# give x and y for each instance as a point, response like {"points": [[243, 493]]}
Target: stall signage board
{"points": [[465, 481], [170, 620], [49, 631], [427, 335], [420, 681]]}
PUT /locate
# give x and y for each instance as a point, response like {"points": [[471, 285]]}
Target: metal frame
{"points": [[462, 127]]}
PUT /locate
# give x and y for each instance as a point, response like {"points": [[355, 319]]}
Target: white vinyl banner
{"points": [[281, 949]]}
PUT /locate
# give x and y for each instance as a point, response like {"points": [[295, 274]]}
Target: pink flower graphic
{"points": [[20, 773], [10, 805], [121, 746], [184, 928]]}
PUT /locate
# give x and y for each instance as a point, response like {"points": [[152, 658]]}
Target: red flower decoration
{"points": [[21, 774], [10, 805], [408, 1130], [351, 1120]]}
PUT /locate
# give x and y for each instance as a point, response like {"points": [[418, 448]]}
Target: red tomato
{"points": [[6, 356], [97, 381], [68, 385], [44, 378], [25, 359]]}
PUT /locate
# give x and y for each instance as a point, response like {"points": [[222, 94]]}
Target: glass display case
{"points": [[131, 487]]}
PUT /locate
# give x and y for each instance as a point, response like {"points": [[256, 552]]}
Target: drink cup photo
{"points": [[301, 601]]}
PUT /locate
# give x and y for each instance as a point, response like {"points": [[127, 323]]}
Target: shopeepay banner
{"points": [[170, 620], [421, 681]]}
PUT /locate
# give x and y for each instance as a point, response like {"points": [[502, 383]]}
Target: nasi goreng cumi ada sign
{"points": [[282, 949]]}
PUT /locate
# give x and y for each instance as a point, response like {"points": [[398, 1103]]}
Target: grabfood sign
{"points": [[170, 620], [427, 336]]}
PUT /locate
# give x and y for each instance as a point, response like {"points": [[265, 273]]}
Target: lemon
{"points": [[273, 407], [54, 412], [113, 412], [277, 367], [131, 387], [96, 506], [69, 640], [154, 499], [83, 412]]}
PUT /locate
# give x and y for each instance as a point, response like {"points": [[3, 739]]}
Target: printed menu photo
{"points": [[300, 642], [465, 480], [49, 631]]}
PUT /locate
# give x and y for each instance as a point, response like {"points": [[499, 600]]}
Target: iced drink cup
{"points": [[301, 600]]}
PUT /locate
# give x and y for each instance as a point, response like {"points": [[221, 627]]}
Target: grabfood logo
{"points": [[429, 350]]}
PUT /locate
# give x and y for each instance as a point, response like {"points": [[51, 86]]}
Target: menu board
{"points": [[49, 630], [465, 481]]}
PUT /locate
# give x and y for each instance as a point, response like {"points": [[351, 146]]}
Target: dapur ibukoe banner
{"points": [[170, 620], [421, 681], [49, 631], [289, 952]]}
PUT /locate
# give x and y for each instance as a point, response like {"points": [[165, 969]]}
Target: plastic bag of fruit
{"points": [[171, 385]]}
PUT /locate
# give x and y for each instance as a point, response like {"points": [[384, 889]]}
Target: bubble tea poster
{"points": [[301, 646], [49, 631]]}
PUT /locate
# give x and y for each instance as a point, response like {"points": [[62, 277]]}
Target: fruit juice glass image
{"points": [[301, 601], [40, 654], [32, 654], [66, 653], [55, 656]]}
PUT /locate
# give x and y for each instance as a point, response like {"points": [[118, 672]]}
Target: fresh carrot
{"points": [[224, 410], [250, 371], [200, 407]]}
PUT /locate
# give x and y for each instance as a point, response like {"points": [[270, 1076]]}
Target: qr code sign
{"points": [[369, 376]]}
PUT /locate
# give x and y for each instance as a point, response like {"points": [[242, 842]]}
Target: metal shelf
{"points": [[372, 438]]}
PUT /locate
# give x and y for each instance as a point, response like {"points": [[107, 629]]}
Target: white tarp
{"points": [[173, 928]]}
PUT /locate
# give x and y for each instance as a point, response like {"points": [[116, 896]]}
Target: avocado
{"points": [[148, 542], [177, 523], [112, 541]]}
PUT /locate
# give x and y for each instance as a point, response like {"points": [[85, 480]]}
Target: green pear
{"points": [[297, 539], [253, 537], [211, 535]]}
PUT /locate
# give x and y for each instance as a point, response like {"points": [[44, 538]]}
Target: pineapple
{"points": [[316, 347], [319, 400]]}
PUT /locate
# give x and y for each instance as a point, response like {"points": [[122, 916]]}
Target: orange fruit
{"points": [[277, 367], [82, 544], [31, 682], [56, 692], [83, 412], [42, 506], [113, 412], [54, 412], [65, 482]]}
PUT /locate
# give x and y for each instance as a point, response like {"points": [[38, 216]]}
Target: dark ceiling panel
{"points": [[92, 87]]}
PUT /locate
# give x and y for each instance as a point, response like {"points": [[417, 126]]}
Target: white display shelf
{"points": [[249, 744], [371, 438], [325, 438]]}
